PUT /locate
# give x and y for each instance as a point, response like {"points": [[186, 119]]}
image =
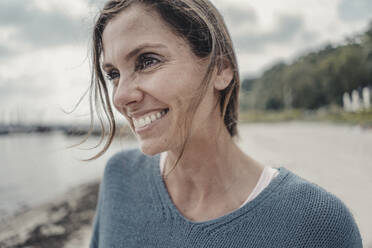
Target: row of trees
{"points": [[315, 80]]}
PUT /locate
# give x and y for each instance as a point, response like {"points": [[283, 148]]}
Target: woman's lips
{"points": [[146, 120]]}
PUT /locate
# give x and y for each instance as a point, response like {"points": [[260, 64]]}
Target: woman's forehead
{"points": [[137, 17], [134, 26]]}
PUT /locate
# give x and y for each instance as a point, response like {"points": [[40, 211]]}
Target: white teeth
{"points": [[146, 120]]}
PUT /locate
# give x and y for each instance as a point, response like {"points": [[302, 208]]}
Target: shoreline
{"points": [[59, 223]]}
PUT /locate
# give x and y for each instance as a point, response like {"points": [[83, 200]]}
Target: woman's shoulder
{"points": [[125, 156], [316, 209], [304, 195], [128, 163], [301, 191]]}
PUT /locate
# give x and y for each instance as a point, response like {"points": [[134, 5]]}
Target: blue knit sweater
{"points": [[135, 210]]}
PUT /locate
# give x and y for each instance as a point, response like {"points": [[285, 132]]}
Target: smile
{"points": [[149, 118]]}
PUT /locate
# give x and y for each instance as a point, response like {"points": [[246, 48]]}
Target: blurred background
{"points": [[305, 101]]}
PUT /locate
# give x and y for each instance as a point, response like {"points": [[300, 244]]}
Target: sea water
{"points": [[35, 168]]}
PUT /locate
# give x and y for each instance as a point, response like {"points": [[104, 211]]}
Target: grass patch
{"points": [[270, 116], [363, 118]]}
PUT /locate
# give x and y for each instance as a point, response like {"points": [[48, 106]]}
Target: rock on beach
{"points": [[64, 222]]}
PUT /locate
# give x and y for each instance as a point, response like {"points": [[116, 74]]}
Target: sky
{"points": [[44, 46]]}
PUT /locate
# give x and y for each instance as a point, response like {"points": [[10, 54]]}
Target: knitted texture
{"points": [[135, 210]]}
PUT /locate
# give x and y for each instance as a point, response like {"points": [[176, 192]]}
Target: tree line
{"points": [[315, 80]]}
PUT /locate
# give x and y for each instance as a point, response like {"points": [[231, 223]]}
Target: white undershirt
{"points": [[267, 175]]}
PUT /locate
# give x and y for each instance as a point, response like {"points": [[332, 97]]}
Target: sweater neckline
{"points": [[250, 206]]}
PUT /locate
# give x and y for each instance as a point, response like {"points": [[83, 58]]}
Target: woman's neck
{"points": [[214, 172]]}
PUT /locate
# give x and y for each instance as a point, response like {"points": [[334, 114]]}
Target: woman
{"points": [[175, 79]]}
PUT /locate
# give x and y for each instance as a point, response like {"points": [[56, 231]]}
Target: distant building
{"points": [[355, 101], [346, 102], [366, 93]]}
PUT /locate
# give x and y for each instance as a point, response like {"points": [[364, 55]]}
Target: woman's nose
{"points": [[126, 93]]}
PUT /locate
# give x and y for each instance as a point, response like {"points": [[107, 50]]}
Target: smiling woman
{"points": [[175, 79], [209, 46], [155, 58]]}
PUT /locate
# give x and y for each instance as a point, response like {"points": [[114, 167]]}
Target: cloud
{"points": [[355, 10], [23, 88], [24, 99], [5, 52], [286, 29], [36, 28], [97, 3], [239, 15]]}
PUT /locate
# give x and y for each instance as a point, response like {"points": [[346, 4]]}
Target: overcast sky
{"points": [[44, 45]]}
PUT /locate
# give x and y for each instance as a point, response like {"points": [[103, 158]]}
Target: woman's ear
{"points": [[224, 75]]}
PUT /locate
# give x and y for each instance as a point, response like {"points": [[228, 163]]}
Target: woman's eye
{"points": [[112, 75], [146, 61]]}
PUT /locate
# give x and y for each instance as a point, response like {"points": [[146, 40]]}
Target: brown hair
{"points": [[202, 26]]}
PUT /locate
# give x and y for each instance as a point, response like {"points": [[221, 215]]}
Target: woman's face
{"points": [[154, 76]]}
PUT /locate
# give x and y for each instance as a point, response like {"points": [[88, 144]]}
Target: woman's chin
{"points": [[150, 149]]}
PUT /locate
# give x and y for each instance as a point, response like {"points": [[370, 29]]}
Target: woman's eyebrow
{"points": [[135, 51], [138, 49]]}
